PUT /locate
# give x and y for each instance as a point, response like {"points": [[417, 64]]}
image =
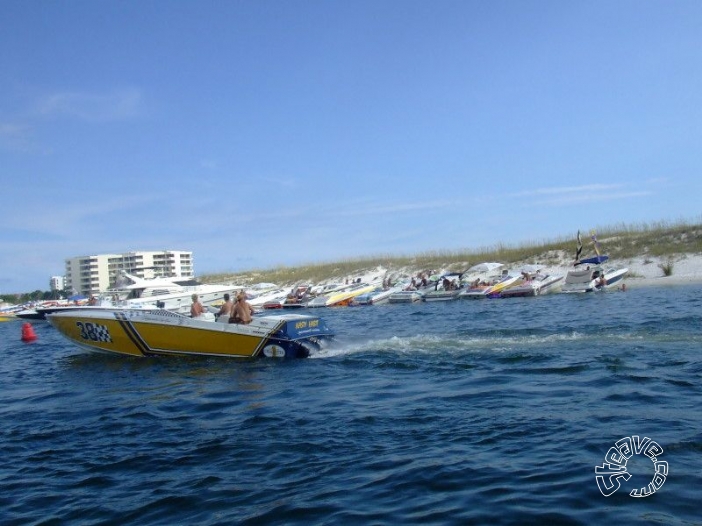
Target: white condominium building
{"points": [[94, 274], [57, 283]]}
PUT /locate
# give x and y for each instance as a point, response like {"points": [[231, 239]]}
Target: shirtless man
{"points": [[196, 309], [242, 310], [227, 309]]}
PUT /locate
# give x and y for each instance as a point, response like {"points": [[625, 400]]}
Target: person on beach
{"points": [[196, 309], [227, 308], [242, 310]]}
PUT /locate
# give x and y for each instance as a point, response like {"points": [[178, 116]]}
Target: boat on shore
{"points": [[378, 296], [446, 288], [405, 296], [342, 297], [594, 277], [490, 289], [536, 285], [158, 332]]}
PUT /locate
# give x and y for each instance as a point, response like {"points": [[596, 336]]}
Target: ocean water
{"points": [[467, 412]]}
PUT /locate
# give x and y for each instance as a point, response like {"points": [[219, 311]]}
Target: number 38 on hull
{"points": [[136, 332]]}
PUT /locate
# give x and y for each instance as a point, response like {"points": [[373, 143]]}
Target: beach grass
{"points": [[660, 239]]}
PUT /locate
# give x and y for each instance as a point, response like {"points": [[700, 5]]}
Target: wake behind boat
{"points": [[159, 332]]}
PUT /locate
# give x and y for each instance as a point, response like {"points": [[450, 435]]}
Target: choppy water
{"points": [[491, 411]]}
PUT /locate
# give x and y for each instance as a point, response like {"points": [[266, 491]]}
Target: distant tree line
{"points": [[37, 295]]}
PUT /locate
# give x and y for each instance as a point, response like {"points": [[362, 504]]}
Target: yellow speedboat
{"points": [[137, 332]]}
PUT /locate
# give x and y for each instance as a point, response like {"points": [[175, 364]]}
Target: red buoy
{"points": [[28, 334]]}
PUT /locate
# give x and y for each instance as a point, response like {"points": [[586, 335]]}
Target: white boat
{"points": [[447, 288], [492, 289], [378, 296], [166, 293], [141, 332], [260, 299], [341, 297], [535, 285], [405, 296], [478, 278], [594, 277], [412, 291]]}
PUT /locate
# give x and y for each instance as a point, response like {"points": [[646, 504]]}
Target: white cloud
{"points": [[16, 137], [568, 190], [117, 105], [589, 197]]}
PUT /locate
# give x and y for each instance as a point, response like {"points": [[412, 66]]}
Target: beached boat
{"points": [[405, 296], [269, 296], [594, 277], [341, 297], [489, 290], [535, 285], [142, 332], [479, 278], [377, 296], [447, 288]]}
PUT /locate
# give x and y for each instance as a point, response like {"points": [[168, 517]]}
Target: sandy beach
{"points": [[647, 271], [687, 269], [643, 271]]}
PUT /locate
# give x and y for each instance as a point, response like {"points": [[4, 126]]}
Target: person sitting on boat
{"points": [[92, 300], [196, 309], [242, 310], [602, 281], [227, 307]]}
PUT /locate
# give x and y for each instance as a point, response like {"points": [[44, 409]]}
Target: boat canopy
{"points": [[595, 260]]}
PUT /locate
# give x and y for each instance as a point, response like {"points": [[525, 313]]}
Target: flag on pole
{"points": [[580, 247], [595, 243]]}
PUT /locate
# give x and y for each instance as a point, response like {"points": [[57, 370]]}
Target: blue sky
{"points": [[266, 133]]}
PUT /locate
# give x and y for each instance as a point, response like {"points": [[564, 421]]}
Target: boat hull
{"points": [[535, 287], [441, 295], [588, 280], [405, 296], [159, 332]]}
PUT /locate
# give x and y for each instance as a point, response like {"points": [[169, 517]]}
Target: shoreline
{"points": [[643, 272]]}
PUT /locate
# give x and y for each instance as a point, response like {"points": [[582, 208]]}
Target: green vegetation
{"points": [[621, 242], [667, 267], [37, 295]]}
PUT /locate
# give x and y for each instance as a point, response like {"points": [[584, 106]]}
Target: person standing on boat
{"points": [[227, 308], [242, 310], [196, 309]]}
